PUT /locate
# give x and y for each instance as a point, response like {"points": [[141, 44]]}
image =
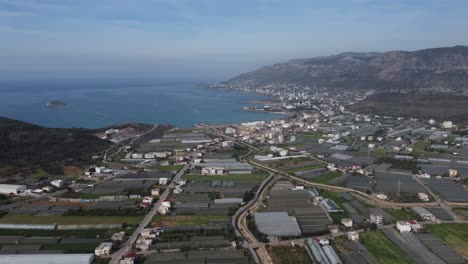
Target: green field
{"points": [[256, 177], [326, 177], [401, 214], [69, 220], [423, 147], [178, 220], [289, 255], [455, 235], [167, 167], [308, 168], [383, 249], [309, 136]]}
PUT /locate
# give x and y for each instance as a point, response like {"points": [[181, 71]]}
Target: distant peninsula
{"points": [[56, 104]]}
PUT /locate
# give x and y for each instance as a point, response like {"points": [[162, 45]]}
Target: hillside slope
{"points": [[437, 67], [26, 146]]}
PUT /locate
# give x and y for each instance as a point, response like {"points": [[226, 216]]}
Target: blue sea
{"points": [[95, 104]]}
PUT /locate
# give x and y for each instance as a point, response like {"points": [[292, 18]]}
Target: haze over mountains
{"points": [[429, 68]]}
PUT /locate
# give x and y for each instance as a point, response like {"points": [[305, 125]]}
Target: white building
{"points": [[119, 236], [57, 183], [347, 222], [155, 192], [352, 235], [212, 171], [104, 249], [163, 181], [447, 124], [230, 130], [376, 219], [403, 226], [12, 188], [423, 197], [144, 244]]}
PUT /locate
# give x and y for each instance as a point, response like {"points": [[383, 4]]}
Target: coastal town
{"points": [[321, 185]]}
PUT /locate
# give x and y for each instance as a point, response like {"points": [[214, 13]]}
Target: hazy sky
{"points": [[208, 39]]}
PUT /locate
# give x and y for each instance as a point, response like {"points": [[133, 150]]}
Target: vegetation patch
{"points": [[455, 235], [178, 220], [383, 249], [326, 177], [289, 254], [401, 214], [307, 168]]}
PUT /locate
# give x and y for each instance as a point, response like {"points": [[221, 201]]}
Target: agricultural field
{"points": [[326, 177], [254, 177], [178, 220], [400, 214], [423, 148], [383, 249], [455, 235], [307, 168], [69, 220], [289, 255]]}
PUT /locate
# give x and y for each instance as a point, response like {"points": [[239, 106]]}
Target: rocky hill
{"points": [[437, 67], [26, 147]]}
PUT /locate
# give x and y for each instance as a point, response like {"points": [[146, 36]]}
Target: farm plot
{"points": [[297, 203], [448, 189], [357, 218], [440, 213], [383, 249], [290, 254], [455, 235], [359, 253], [392, 182], [177, 220], [412, 247], [437, 246], [199, 256]]}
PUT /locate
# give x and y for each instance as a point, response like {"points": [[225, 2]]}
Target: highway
{"points": [[240, 225], [127, 246]]}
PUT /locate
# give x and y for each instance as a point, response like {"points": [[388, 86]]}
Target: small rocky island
{"points": [[56, 104]]}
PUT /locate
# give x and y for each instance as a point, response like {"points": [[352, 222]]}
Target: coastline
{"points": [[182, 105]]}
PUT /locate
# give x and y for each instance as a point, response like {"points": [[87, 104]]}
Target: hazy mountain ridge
{"points": [[436, 67]]}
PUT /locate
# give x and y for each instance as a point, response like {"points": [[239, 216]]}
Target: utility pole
{"points": [[399, 186]]}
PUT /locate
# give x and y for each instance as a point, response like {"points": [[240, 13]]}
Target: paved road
{"points": [[37, 198], [239, 223], [127, 246]]}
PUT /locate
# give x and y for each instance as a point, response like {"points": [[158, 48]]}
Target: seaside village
{"points": [[320, 185]]}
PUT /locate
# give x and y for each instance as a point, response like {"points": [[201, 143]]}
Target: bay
{"points": [[99, 104]]}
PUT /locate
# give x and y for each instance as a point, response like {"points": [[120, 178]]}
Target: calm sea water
{"points": [[99, 104]]}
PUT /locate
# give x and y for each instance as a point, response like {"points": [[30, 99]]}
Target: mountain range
{"points": [[428, 68]]}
